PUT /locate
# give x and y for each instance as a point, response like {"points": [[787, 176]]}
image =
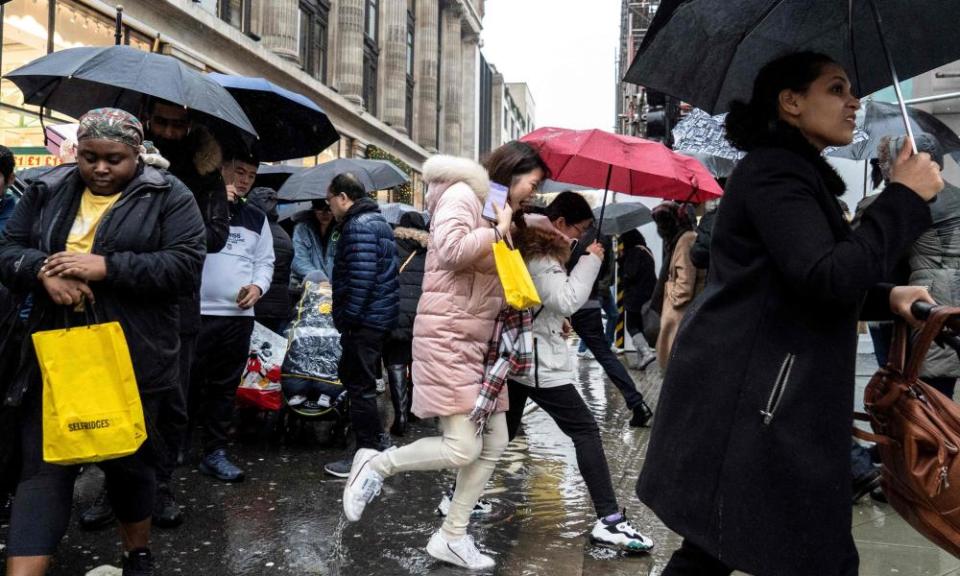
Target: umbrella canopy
{"points": [[290, 125], [620, 218], [76, 80], [708, 52], [704, 137], [881, 119], [274, 175], [313, 182], [550, 186], [634, 166], [392, 211]]}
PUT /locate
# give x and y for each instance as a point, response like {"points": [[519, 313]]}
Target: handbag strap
{"points": [[931, 329], [409, 258]]}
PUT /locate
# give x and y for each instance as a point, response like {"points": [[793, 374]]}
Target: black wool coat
{"points": [[749, 456]]}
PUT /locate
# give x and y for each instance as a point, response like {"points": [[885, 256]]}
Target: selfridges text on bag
{"points": [[917, 430]]}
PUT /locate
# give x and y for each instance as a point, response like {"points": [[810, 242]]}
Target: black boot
{"points": [[100, 514], [397, 378], [641, 415]]}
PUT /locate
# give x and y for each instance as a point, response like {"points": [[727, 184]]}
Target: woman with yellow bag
{"points": [[106, 240], [462, 298]]}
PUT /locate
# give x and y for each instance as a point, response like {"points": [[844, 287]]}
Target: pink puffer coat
{"points": [[462, 294]]}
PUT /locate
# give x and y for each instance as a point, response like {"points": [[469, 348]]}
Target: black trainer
{"points": [[641, 416], [99, 515], [166, 511], [138, 562]]}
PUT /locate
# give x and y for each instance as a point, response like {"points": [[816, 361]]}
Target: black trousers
{"points": [[944, 385], [359, 364], [588, 324], [222, 351], [567, 408], [44, 497], [173, 422], [397, 352], [691, 560]]}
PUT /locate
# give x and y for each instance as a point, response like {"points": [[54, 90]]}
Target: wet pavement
{"points": [[286, 518]]}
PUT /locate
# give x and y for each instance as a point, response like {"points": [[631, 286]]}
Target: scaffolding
{"points": [[635, 19]]}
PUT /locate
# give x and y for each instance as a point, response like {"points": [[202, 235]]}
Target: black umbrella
{"points": [[707, 52], [313, 182], [274, 175], [622, 217], [76, 80], [883, 119], [290, 125]]}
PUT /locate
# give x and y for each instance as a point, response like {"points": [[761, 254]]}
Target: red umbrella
{"points": [[625, 164]]}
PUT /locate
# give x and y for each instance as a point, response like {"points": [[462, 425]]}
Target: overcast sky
{"points": [[564, 49]]}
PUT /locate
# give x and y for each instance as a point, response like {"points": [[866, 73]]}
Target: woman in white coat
{"points": [[546, 243]]}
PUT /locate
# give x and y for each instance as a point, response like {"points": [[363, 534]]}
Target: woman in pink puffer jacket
{"points": [[462, 297]]}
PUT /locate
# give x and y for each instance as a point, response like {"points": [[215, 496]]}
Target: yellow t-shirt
{"points": [[92, 210]]}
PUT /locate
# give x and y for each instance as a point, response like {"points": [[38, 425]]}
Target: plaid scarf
{"points": [[509, 353]]}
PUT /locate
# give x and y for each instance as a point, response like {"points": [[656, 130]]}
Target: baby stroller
{"points": [[310, 387]]}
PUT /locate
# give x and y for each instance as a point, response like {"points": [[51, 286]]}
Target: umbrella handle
{"points": [[878, 20]]}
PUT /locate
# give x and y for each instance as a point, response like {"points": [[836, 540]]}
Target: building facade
{"points": [[398, 76], [632, 106]]}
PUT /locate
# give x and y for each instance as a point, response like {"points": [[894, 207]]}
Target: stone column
{"points": [[350, 50], [469, 115], [277, 23], [393, 14], [425, 74], [452, 78]]}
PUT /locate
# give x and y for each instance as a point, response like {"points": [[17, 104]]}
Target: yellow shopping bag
{"points": [[518, 287], [91, 405]]}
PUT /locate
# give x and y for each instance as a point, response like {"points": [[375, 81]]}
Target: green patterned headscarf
{"points": [[111, 124]]}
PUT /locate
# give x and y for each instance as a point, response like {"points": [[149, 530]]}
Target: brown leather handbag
{"points": [[917, 430]]}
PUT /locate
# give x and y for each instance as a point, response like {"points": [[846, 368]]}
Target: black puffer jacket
{"points": [[412, 258], [276, 302], [366, 292], [153, 242]]}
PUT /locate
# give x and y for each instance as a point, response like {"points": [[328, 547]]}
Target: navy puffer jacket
{"points": [[366, 292]]}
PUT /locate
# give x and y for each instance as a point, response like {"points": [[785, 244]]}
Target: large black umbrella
{"points": [[274, 175], [313, 182], [290, 125], [76, 80], [708, 52], [883, 119]]}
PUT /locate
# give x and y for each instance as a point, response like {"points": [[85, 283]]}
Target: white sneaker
{"points": [[460, 552], [381, 386], [363, 484], [621, 535], [646, 360], [587, 354], [479, 509]]}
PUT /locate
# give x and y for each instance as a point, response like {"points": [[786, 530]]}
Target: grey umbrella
{"points": [[76, 80], [622, 217], [274, 175], [392, 211], [883, 119], [313, 182]]}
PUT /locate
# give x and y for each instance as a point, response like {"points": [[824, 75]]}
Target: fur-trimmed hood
{"points": [[537, 242], [440, 172], [421, 237], [208, 156]]}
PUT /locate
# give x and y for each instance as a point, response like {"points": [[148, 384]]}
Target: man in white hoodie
{"points": [[234, 279]]}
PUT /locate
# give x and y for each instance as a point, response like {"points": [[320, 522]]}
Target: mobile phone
{"points": [[498, 194]]}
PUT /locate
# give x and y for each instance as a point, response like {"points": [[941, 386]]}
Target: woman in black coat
{"points": [[639, 281], [749, 456], [412, 236]]}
